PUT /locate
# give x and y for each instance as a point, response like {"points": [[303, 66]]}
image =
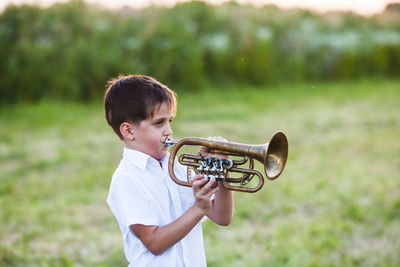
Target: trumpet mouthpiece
{"points": [[170, 142]]}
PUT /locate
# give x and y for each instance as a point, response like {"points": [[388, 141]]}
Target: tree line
{"points": [[69, 50]]}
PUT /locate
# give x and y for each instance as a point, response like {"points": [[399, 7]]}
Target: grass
{"points": [[337, 202]]}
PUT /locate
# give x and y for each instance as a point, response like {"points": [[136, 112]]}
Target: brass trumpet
{"points": [[272, 155]]}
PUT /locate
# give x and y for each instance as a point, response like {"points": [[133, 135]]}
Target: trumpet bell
{"points": [[276, 156]]}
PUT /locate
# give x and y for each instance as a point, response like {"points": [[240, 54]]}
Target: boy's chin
{"points": [[163, 154]]}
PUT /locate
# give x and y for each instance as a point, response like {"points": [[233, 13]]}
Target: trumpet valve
{"points": [[227, 163]]}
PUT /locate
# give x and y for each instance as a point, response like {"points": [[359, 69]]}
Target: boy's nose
{"points": [[168, 130]]}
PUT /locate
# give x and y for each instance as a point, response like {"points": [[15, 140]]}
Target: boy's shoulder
{"points": [[133, 166], [127, 178]]}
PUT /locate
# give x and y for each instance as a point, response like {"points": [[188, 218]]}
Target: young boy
{"points": [[160, 221]]}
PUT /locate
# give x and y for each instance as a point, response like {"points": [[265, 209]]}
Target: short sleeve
{"points": [[131, 203]]}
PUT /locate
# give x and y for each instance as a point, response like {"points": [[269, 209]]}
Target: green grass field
{"points": [[337, 203]]}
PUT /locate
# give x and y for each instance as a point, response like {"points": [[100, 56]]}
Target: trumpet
{"points": [[272, 155]]}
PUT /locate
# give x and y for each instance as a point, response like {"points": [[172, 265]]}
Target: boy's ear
{"points": [[127, 131]]}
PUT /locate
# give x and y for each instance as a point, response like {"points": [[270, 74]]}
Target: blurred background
{"points": [[327, 74]]}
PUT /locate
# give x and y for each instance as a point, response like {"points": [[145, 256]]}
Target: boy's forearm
{"points": [[164, 237], [222, 210]]}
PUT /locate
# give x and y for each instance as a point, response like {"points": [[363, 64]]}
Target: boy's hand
{"points": [[204, 151], [203, 189]]}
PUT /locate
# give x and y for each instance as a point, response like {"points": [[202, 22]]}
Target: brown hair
{"points": [[134, 98]]}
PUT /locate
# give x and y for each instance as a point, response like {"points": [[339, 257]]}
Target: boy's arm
{"points": [[158, 239], [221, 211]]}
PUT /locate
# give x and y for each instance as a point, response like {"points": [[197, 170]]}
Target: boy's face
{"points": [[150, 134]]}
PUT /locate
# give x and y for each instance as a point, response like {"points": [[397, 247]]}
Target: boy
{"points": [[160, 221]]}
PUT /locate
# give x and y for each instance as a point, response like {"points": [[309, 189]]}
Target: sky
{"points": [[363, 7]]}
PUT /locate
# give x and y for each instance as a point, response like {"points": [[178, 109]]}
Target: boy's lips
{"points": [[163, 141], [164, 147]]}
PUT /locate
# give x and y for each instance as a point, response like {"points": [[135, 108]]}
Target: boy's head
{"points": [[135, 98]]}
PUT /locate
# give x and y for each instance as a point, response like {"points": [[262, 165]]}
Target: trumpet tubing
{"points": [[272, 155]]}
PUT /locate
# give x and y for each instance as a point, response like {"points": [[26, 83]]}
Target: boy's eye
{"points": [[161, 122]]}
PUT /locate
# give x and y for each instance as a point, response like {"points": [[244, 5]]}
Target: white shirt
{"points": [[141, 192]]}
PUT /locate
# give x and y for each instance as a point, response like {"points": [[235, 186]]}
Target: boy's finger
{"points": [[195, 178], [212, 192], [199, 184], [210, 184]]}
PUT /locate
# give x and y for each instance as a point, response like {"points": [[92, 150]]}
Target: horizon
{"points": [[365, 8]]}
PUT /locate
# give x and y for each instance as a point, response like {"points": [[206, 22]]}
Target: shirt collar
{"points": [[141, 159], [164, 161]]}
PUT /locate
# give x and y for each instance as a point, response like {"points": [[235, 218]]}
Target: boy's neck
{"points": [[129, 145]]}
